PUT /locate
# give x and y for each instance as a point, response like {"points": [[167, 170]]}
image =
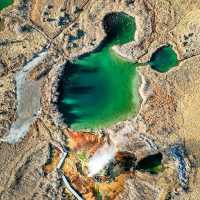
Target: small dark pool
{"points": [[151, 163], [163, 59]]}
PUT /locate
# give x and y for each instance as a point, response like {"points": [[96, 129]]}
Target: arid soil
{"points": [[169, 114]]}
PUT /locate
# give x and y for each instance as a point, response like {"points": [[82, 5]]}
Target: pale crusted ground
{"points": [[187, 87], [170, 115]]}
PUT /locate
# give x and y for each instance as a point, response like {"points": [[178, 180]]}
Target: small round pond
{"points": [[163, 59]]}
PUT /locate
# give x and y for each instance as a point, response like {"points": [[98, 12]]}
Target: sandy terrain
{"points": [[168, 115]]}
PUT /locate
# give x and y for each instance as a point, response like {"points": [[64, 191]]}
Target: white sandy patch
{"points": [[145, 91], [28, 101]]}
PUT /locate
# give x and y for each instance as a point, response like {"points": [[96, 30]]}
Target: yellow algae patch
{"points": [[87, 186], [51, 165], [77, 174], [112, 189], [83, 141], [75, 167]]}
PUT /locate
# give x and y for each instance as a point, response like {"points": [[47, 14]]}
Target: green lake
{"points": [[5, 3], [101, 88]]}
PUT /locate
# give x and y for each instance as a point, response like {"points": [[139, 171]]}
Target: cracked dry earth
{"points": [[168, 119]]}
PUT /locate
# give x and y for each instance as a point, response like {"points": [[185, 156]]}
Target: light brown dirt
{"points": [[169, 115]]}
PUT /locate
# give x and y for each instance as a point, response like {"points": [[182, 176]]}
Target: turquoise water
{"points": [[163, 59], [100, 88], [5, 3]]}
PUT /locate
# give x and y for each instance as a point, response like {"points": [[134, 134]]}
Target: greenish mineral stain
{"points": [[101, 88], [5, 3], [163, 59]]}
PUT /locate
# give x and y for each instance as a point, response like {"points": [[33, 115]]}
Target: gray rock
{"points": [[2, 68]]}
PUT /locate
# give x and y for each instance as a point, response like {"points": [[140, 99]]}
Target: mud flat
{"points": [[28, 100]]}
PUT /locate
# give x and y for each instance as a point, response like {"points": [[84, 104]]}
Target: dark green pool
{"points": [[100, 88], [151, 163], [163, 59], [5, 3]]}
